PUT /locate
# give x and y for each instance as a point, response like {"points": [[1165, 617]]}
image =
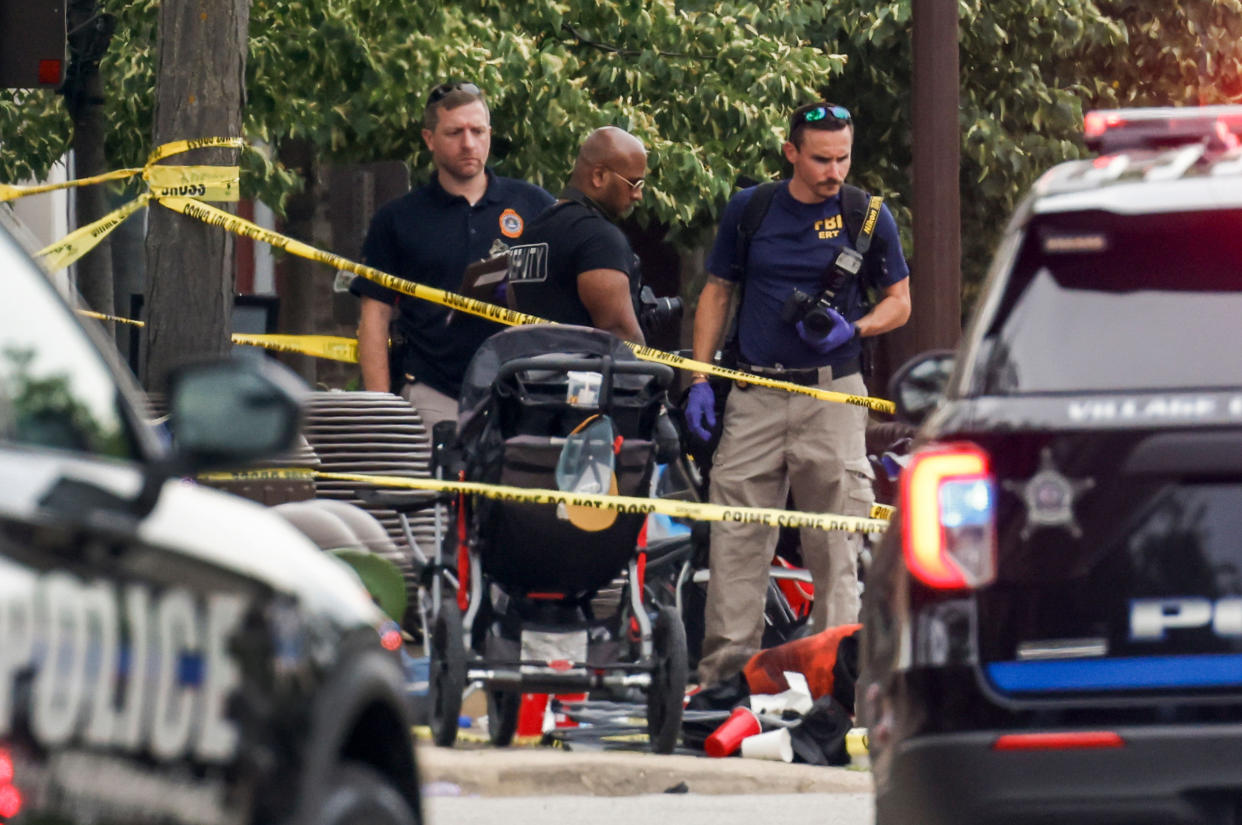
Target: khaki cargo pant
{"points": [[433, 406], [774, 442]]}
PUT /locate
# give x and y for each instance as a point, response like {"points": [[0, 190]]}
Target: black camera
{"points": [[657, 313], [812, 310]]}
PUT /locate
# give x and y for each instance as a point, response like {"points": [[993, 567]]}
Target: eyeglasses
{"points": [[635, 185], [817, 113], [439, 92]]}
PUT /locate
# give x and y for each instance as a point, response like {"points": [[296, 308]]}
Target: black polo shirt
{"points": [[429, 236], [573, 237]]}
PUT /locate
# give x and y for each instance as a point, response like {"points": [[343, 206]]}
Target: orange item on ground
{"points": [[813, 657]]}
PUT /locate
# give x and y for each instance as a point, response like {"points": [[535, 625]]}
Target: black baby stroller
{"points": [[523, 618]]}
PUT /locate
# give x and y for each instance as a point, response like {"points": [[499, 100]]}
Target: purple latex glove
{"points": [[701, 409], [840, 332], [500, 292]]}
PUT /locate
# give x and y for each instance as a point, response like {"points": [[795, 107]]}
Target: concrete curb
{"points": [[554, 772]]}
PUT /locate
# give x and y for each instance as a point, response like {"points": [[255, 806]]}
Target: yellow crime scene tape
{"points": [[213, 183], [266, 474], [696, 511], [876, 521], [10, 193], [82, 240], [231, 223], [209, 183], [99, 316], [331, 347]]}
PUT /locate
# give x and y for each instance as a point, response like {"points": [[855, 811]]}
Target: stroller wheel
{"points": [[447, 663], [667, 693], [503, 708]]}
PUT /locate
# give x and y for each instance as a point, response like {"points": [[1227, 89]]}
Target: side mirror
{"points": [[229, 413], [919, 385]]}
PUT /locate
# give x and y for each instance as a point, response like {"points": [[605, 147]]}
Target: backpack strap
{"points": [[752, 216]]}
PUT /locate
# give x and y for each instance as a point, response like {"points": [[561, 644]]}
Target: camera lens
{"points": [[817, 321], [658, 312]]}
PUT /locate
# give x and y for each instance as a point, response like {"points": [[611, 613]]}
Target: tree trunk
{"points": [[936, 272], [89, 35], [199, 93]]}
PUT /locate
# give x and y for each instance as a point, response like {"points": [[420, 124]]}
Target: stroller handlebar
{"points": [[606, 365]]}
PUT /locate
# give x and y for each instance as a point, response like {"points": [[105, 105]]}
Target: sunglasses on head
{"points": [[439, 92], [817, 113]]}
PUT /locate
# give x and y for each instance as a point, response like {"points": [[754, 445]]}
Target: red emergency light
{"points": [[1220, 127]]}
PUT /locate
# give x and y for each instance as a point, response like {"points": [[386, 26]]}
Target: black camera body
{"points": [[812, 310], [657, 313]]}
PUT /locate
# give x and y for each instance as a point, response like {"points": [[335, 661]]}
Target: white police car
{"points": [[169, 653], [1053, 627]]}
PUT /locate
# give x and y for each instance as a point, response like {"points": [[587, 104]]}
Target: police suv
{"points": [[1053, 628], [169, 653]]}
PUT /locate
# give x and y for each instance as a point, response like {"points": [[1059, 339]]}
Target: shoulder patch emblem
{"points": [[511, 224]]}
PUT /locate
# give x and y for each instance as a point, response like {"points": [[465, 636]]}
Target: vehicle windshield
{"points": [[55, 389], [1101, 302]]}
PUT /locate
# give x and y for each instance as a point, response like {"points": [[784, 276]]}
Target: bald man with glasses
{"points": [[574, 265], [428, 236]]}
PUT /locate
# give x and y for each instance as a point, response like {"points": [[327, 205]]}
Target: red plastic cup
{"points": [[530, 714], [728, 737]]}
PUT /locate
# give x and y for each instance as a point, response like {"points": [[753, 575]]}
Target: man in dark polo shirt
{"points": [[574, 265], [429, 235]]}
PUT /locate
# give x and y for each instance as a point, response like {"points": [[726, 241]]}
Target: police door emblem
{"points": [[511, 224], [1049, 497]]}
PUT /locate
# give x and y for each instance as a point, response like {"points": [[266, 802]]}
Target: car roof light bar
{"points": [[1115, 130]]}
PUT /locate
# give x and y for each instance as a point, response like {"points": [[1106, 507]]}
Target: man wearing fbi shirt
{"points": [[775, 442]]}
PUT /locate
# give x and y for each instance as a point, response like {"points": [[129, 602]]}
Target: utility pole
{"points": [[199, 93], [936, 270]]}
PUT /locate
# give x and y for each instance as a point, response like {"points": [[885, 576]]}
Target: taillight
{"points": [[948, 516], [1059, 741], [10, 797]]}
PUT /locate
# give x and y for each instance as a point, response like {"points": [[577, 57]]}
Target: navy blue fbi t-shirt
{"points": [[557, 247], [792, 250], [429, 236]]}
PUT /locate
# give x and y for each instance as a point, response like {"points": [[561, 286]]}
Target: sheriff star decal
{"points": [[1049, 497]]}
